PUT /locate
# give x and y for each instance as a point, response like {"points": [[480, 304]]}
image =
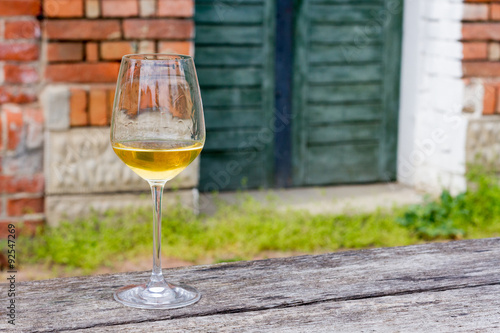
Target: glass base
{"points": [[169, 296]]}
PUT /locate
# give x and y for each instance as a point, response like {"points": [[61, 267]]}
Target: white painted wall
{"points": [[410, 65], [432, 127]]}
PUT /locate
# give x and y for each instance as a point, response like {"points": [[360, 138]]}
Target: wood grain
{"points": [[343, 13], [442, 312], [351, 93], [324, 114], [345, 74], [229, 77], [207, 56], [343, 133], [224, 13], [343, 54], [223, 35], [453, 286]]}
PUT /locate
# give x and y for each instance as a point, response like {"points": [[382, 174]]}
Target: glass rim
{"points": [[156, 56]]}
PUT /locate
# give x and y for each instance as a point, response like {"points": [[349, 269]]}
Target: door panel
{"points": [[235, 64], [346, 91]]}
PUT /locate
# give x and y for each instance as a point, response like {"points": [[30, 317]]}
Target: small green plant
{"points": [[436, 219], [474, 213]]}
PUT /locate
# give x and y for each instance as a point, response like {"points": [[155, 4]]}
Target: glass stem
{"points": [[157, 192]]}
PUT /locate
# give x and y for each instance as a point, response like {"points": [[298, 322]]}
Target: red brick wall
{"points": [[21, 120], [77, 43], [86, 40], [481, 49]]}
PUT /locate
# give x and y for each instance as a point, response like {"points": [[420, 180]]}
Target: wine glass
{"points": [[157, 130]]}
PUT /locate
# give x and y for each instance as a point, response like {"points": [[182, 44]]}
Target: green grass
{"points": [[233, 233], [244, 231]]}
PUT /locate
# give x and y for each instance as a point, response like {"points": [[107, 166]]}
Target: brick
{"points": [[64, 51], [183, 47], [175, 8], [475, 12], [82, 72], [16, 7], [2, 130], [495, 11], [481, 69], [475, 51], [124, 8], [4, 232], [23, 29], [98, 107], [158, 28], [78, 105], [147, 8], [92, 8], [34, 122], [18, 51], [22, 97], [494, 51], [497, 106], [6, 184], [63, 8], [16, 95], [82, 29], [489, 98], [27, 184], [14, 125], [18, 207], [20, 73], [92, 52], [111, 98], [116, 50], [481, 31]]}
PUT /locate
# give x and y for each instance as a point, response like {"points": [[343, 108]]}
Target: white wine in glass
{"points": [[157, 160], [157, 130]]}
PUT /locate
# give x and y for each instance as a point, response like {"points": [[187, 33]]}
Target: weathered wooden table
{"points": [[448, 287]]}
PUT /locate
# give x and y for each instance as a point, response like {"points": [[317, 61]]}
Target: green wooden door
{"points": [[346, 91], [234, 59]]}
